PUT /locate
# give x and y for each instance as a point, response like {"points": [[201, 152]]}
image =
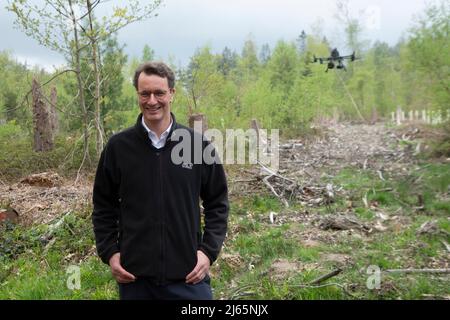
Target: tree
{"points": [[61, 27], [148, 54], [202, 79], [13, 82], [114, 59], [283, 66], [265, 54], [301, 42], [352, 26], [228, 61], [382, 74], [10, 103], [428, 49], [317, 28], [249, 63], [43, 135], [112, 100]]}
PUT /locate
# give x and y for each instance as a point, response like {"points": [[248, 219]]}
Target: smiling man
{"points": [[146, 217]]}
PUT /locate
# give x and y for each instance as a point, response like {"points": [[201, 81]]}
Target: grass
{"points": [[398, 247], [37, 279], [18, 160], [36, 269]]}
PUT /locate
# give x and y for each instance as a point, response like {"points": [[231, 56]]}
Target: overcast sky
{"points": [[184, 25]]}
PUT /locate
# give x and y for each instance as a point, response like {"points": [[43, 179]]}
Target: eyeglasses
{"points": [[159, 95]]}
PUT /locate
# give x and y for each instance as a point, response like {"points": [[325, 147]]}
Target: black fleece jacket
{"points": [[148, 208]]}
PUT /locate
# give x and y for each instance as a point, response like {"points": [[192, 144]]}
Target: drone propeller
{"points": [[335, 60], [354, 57], [319, 59]]}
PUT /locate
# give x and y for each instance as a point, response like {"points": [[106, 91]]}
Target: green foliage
{"points": [[148, 54], [282, 68], [265, 204], [10, 130], [228, 61], [32, 268], [18, 159], [280, 86], [114, 102], [428, 181], [15, 241], [428, 46], [440, 143], [203, 81], [271, 244], [283, 89], [249, 63], [13, 86]]}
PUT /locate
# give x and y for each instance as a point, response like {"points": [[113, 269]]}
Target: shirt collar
{"points": [[150, 131], [160, 142]]}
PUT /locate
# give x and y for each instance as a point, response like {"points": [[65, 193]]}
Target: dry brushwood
{"points": [[40, 205], [341, 222], [431, 228], [44, 179]]}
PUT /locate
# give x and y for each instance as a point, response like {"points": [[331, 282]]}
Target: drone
{"points": [[336, 60]]}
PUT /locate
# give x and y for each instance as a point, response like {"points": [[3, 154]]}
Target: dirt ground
{"points": [[376, 148], [372, 147]]}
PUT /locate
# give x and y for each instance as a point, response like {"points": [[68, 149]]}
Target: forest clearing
{"points": [[357, 205], [353, 204]]}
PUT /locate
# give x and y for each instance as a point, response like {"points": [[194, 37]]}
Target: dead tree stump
{"points": [[196, 118], [43, 137], [374, 116]]}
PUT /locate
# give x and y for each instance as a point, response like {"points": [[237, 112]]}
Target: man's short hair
{"points": [[155, 68]]}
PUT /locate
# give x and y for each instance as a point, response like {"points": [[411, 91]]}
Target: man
{"points": [[146, 215]]}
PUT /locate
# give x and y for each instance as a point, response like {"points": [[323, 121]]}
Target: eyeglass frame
{"points": [[146, 95]]}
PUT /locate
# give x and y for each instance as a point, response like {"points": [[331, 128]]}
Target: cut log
{"points": [[44, 179], [326, 277], [9, 215], [418, 271]]}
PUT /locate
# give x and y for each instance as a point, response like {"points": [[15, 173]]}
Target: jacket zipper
{"points": [[161, 212]]}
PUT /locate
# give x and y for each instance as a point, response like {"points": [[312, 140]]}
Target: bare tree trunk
{"points": [[351, 98], [80, 85], [43, 139], [54, 122], [194, 99], [97, 97]]}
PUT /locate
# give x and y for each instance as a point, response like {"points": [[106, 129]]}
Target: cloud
{"points": [[184, 25]]}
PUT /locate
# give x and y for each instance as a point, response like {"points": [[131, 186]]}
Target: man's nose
{"points": [[152, 99]]}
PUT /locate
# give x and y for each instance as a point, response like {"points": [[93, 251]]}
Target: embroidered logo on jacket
{"points": [[187, 165]]}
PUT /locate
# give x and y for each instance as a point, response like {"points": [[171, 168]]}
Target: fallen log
{"points": [[326, 277], [439, 271]]}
